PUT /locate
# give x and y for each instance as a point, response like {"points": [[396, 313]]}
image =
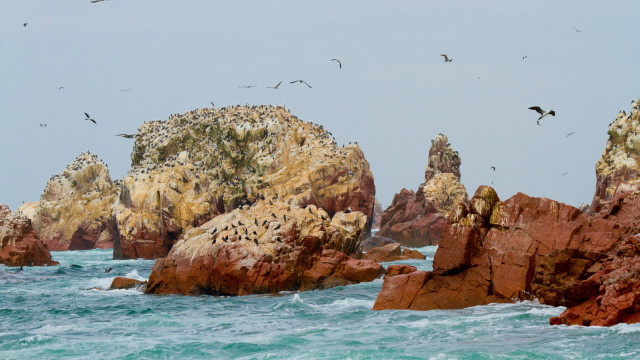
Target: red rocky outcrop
{"points": [[265, 249], [416, 219], [19, 244], [392, 252], [120, 283]]}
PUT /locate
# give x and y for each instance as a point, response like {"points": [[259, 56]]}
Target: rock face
{"points": [[19, 244], [417, 219], [392, 252], [120, 283], [377, 215], [620, 161], [74, 211], [208, 162], [265, 248]]}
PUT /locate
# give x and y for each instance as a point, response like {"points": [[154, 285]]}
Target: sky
{"points": [[393, 94]]}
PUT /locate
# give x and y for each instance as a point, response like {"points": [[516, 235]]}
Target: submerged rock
{"points": [[19, 243], [417, 219], [74, 210], [208, 162], [265, 248]]}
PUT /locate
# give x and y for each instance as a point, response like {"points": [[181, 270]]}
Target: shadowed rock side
{"points": [[417, 219], [620, 161], [377, 215], [19, 244], [73, 212], [265, 249], [204, 163]]}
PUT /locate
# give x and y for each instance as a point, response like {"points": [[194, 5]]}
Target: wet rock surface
{"points": [[19, 243]]}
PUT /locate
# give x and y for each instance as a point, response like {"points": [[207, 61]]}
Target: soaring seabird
{"points": [[563, 174], [524, 57], [125, 89], [493, 168], [542, 112], [576, 29], [24, 25], [339, 62], [275, 87], [212, 104], [88, 117], [301, 82], [128, 136], [571, 133], [246, 86], [61, 88], [446, 59], [108, 270]]}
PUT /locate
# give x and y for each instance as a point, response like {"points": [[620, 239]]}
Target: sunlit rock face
{"points": [[620, 161], [19, 243], [416, 219], [74, 210], [266, 248], [195, 166]]}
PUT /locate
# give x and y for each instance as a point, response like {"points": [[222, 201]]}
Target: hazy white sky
{"points": [[393, 94]]}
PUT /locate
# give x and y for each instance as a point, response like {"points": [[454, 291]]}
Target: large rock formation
{"points": [[19, 244], [538, 248], [620, 161], [417, 219], [74, 211], [204, 163], [377, 215], [265, 248]]}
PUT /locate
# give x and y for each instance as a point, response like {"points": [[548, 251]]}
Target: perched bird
{"points": [[339, 62], [255, 221], [542, 112], [276, 227], [128, 136], [108, 270], [255, 241], [88, 117], [493, 168], [275, 87], [214, 240], [446, 59], [278, 239], [240, 223], [348, 210], [301, 82], [310, 212], [576, 29], [264, 223], [214, 231], [246, 86], [274, 215], [571, 133], [284, 217]]}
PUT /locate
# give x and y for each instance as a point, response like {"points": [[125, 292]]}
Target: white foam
{"points": [[52, 329], [133, 274], [296, 299], [627, 328], [101, 283], [442, 356], [342, 304], [545, 311]]}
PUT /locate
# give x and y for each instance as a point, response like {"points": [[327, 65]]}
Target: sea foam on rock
{"points": [[417, 219]]}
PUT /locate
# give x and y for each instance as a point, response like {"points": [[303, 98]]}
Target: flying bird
{"points": [[301, 82], [127, 136], [542, 112], [108, 270], [43, 125], [24, 24], [96, 1], [571, 133], [563, 174], [339, 62], [61, 88], [576, 29], [493, 168], [212, 104], [524, 57], [88, 117], [246, 86], [275, 87], [446, 59], [125, 89]]}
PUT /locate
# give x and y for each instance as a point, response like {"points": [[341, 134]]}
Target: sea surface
{"points": [[63, 312]]}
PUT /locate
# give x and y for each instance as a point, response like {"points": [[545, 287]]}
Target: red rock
{"points": [[399, 269], [120, 282], [416, 219], [413, 254], [375, 241], [383, 253], [377, 215], [19, 244]]}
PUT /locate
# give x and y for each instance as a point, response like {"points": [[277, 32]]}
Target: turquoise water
{"points": [[55, 312]]}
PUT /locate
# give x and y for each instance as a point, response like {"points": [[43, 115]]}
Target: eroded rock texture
{"points": [[19, 243]]}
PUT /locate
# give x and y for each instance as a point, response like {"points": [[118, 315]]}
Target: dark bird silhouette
{"points": [[226, 227], [571, 133], [88, 117], [246, 86], [274, 215], [493, 168], [96, 1], [524, 57], [212, 104], [255, 233], [284, 217], [240, 223], [128, 136], [43, 125], [275, 87], [61, 88], [276, 227], [225, 238], [576, 29], [214, 240], [348, 210], [310, 212], [278, 239], [108, 270], [542, 112], [301, 82], [339, 62], [264, 223], [563, 174], [446, 59], [255, 221], [24, 25], [255, 241], [125, 90]]}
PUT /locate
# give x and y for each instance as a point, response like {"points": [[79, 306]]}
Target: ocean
{"points": [[63, 312]]}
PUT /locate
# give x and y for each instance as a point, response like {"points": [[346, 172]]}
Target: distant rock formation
{"points": [[208, 162], [19, 244], [377, 215], [74, 211], [620, 161], [392, 252], [265, 248], [527, 247], [417, 219]]}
